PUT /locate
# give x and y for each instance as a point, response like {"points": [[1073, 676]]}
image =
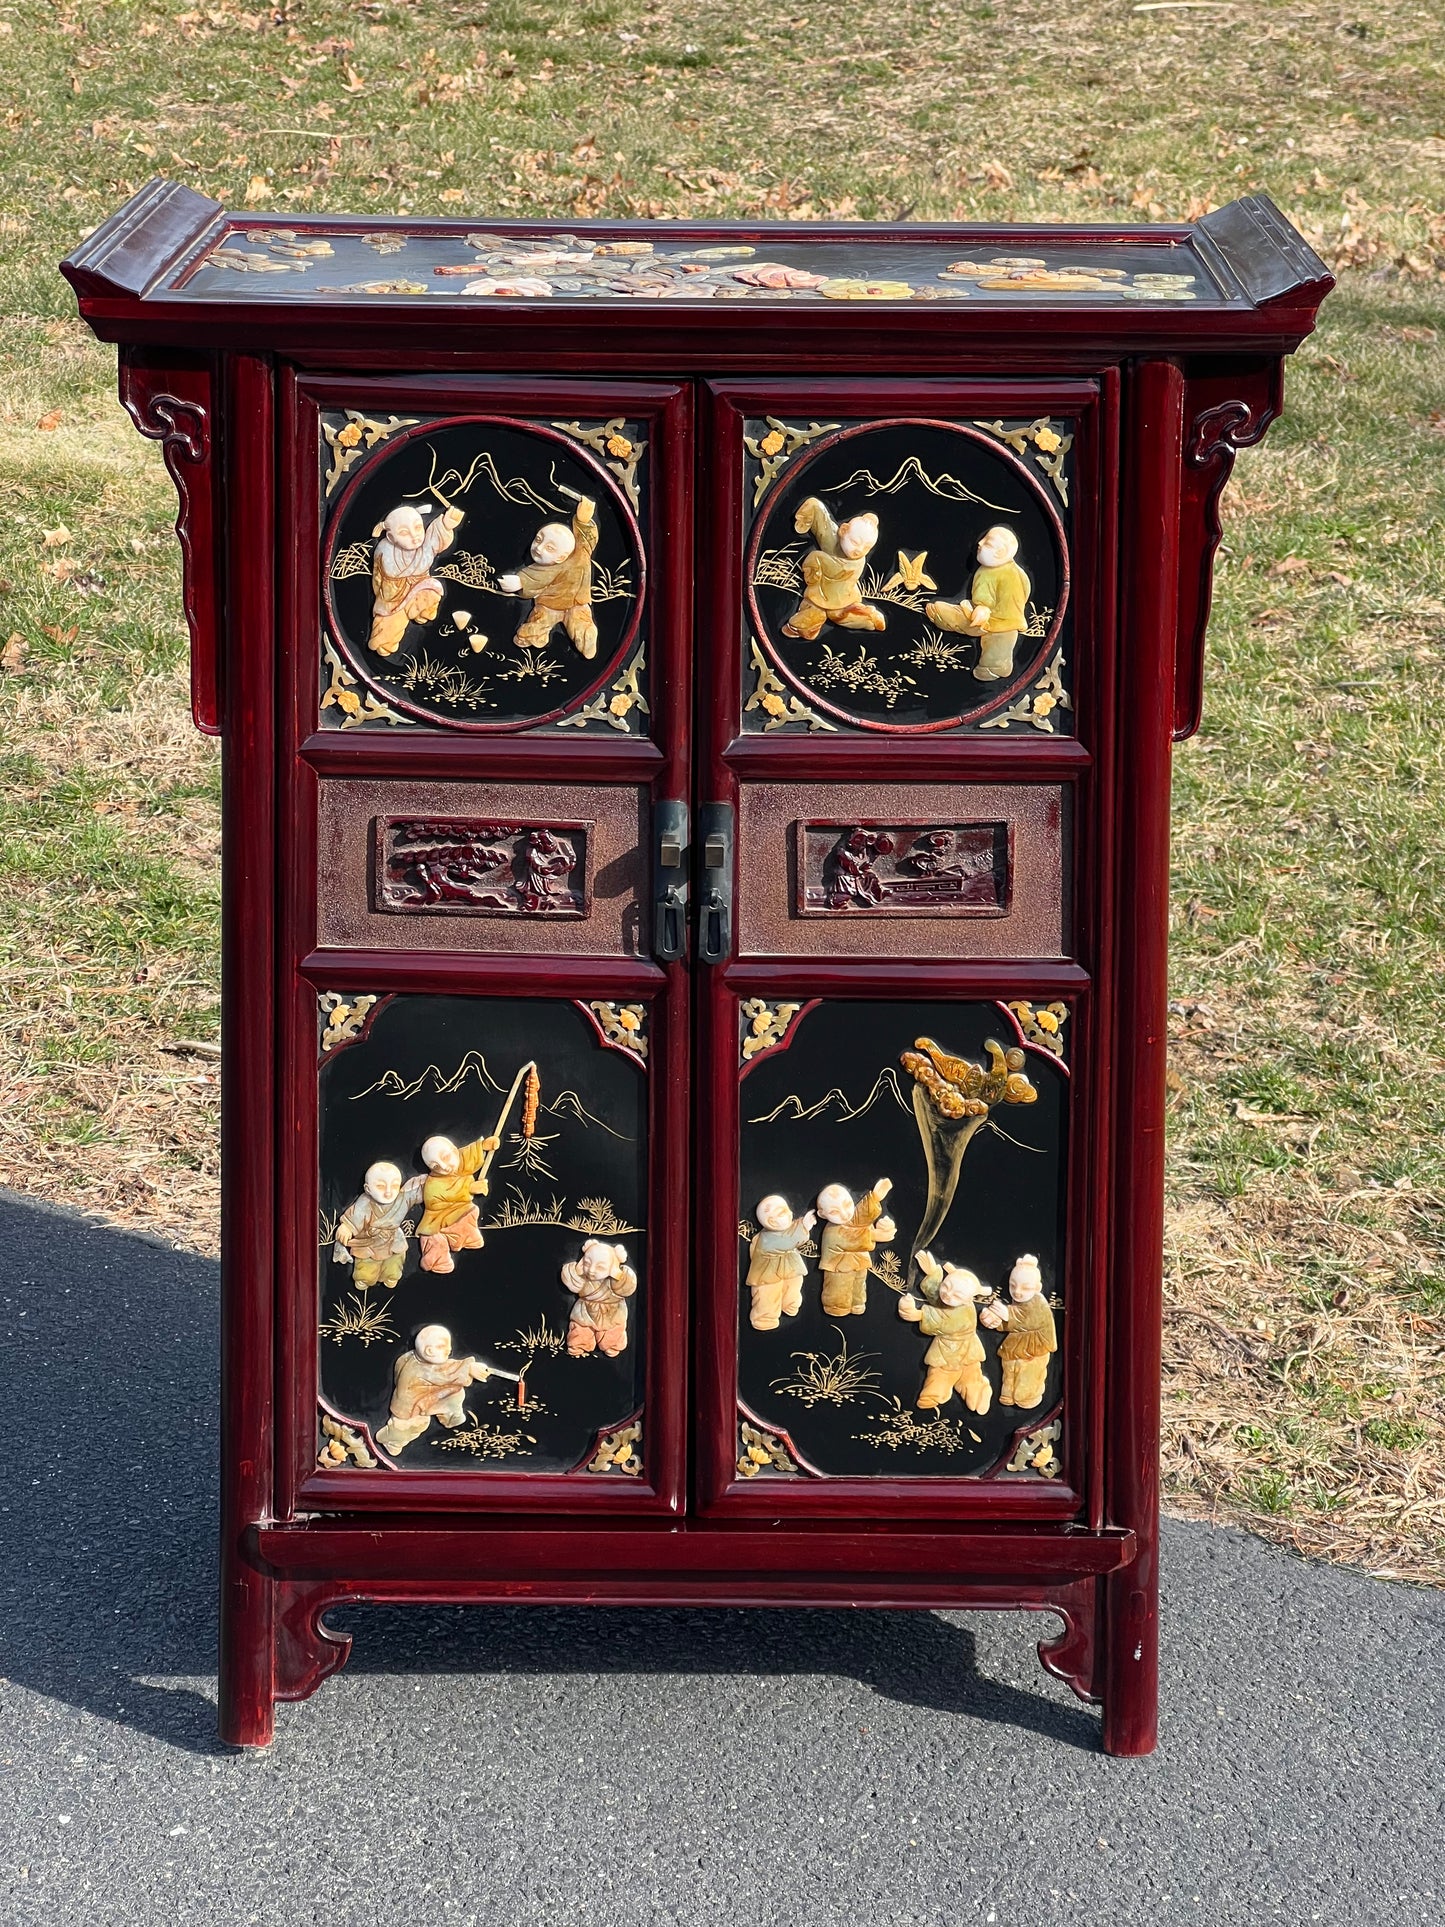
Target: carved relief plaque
{"points": [[465, 867], [482, 1246], [901, 1240], [907, 575], [482, 573], [896, 870]]}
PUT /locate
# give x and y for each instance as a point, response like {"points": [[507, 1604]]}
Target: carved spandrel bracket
{"points": [[171, 403], [1223, 413]]}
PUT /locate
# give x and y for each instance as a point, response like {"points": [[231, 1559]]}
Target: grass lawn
{"points": [[1305, 1386]]}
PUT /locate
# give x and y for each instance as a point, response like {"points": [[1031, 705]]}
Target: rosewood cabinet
{"points": [[697, 707]]}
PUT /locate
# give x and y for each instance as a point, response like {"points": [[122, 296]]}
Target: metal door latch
{"points": [[715, 912], [669, 881]]}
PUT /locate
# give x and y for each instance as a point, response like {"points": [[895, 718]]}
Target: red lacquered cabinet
{"points": [[697, 705]]}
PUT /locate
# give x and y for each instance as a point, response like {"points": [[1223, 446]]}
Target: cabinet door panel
{"points": [[475, 1325]]}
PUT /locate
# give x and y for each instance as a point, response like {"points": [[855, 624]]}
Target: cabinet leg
{"points": [[1131, 1661], [248, 1656], [273, 1647]]}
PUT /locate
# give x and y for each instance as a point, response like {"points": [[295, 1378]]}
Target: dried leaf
{"points": [[54, 537], [1288, 565], [50, 420], [12, 656]]}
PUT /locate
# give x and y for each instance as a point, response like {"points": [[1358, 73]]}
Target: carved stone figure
{"points": [[851, 1231], [449, 1221], [602, 1281], [776, 1267], [1029, 1322], [832, 570], [559, 581], [403, 588], [428, 1383], [371, 1231], [954, 1361], [997, 609]]}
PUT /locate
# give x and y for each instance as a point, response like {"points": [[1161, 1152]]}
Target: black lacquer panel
{"points": [[570, 1167], [457, 615], [863, 567], [835, 1105]]}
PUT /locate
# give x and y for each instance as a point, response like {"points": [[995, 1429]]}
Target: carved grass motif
{"points": [[357, 1317], [831, 1378]]}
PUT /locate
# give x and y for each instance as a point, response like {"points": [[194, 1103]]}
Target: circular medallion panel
{"points": [[907, 575], [483, 573]]}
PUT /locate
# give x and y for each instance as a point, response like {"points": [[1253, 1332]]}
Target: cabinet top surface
{"points": [[258, 260], [172, 249]]}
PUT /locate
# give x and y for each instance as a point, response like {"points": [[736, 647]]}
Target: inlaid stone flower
{"points": [[845, 290]]}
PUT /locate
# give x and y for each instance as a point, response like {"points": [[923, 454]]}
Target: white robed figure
{"points": [[403, 588]]}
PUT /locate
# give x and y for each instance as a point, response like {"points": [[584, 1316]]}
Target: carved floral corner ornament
{"points": [[776, 701], [1038, 704], [353, 704], [620, 705], [619, 1451], [343, 1444], [1042, 1026], [762, 1451], [352, 435], [619, 445], [342, 1018], [622, 1026], [776, 447], [1036, 1452], [1049, 447], [764, 1026]]}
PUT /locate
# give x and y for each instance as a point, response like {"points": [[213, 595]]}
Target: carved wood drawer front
{"points": [[527, 868], [886, 870]]}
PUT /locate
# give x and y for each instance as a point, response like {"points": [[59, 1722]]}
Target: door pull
{"points": [[715, 913], [669, 881]]}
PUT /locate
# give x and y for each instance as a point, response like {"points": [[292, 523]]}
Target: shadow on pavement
{"points": [[107, 1535]]}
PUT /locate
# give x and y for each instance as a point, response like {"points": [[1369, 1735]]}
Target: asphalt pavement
{"points": [[530, 1765]]}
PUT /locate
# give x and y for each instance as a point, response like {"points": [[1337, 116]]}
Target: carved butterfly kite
{"points": [[910, 572]]}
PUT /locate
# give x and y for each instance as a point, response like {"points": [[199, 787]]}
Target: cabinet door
{"points": [[485, 1027], [906, 662]]}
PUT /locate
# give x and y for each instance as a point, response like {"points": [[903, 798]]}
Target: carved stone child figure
{"points": [[402, 586], [1024, 1354], [449, 1220], [603, 1281], [776, 1267], [428, 1383], [371, 1231], [832, 569], [954, 1360], [997, 611], [850, 1233], [559, 581]]}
